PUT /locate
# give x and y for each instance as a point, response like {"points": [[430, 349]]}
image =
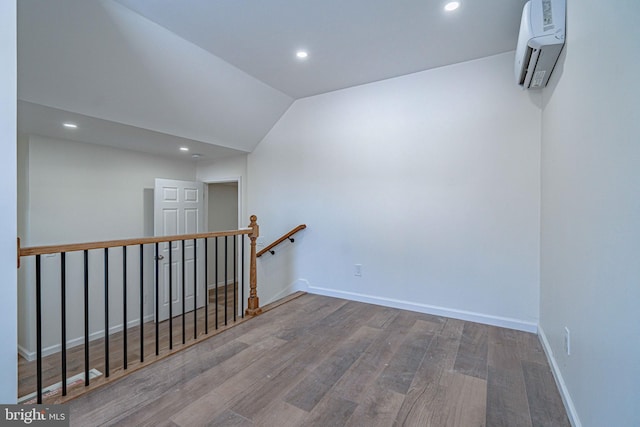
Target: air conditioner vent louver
{"points": [[541, 38]]}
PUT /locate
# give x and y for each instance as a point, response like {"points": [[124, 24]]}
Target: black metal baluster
{"points": [[235, 278], [38, 330], [183, 299], [215, 284], [86, 317], [141, 304], [242, 238], [106, 312], [206, 286], [124, 306], [157, 258], [195, 284], [195, 288], [226, 261], [170, 296], [63, 318]]}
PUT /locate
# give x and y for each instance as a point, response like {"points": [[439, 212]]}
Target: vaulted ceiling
{"points": [[349, 42], [219, 74]]}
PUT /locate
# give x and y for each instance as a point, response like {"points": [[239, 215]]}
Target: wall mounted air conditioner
{"points": [[540, 41]]}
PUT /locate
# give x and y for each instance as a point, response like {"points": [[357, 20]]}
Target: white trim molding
{"points": [[221, 283], [56, 348], [504, 322], [557, 375]]}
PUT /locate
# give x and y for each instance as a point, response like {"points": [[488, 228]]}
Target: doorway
{"points": [[222, 215]]}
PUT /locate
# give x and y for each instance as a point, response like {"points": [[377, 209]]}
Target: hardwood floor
{"points": [[52, 367], [320, 361]]}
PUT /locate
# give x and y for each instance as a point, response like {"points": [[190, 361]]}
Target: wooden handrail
{"points": [[281, 239], [72, 247], [253, 306]]}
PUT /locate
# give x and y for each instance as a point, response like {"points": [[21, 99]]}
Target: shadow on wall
{"points": [[147, 213], [277, 273], [536, 95], [556, 75]]}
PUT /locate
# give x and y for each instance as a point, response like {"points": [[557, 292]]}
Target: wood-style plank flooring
{"points": [[52, 366], [320, 361]]}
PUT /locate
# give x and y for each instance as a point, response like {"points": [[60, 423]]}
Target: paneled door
{"points": [[178, 209]]}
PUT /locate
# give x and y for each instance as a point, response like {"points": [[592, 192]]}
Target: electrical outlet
{"points": [[358, 270], [567, 341]]}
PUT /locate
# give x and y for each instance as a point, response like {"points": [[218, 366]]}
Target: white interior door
{"points": [[178, 209]]}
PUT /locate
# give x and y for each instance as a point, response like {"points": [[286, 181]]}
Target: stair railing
{"points": [[286, 236], [253, 308]]}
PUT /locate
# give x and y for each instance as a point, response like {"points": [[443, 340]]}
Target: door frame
{"points": [[238, 181], [240, 221]]}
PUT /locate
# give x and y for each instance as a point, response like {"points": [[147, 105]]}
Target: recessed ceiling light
{"points": [[184, 148], [452, 6], [70, 125], [301, 54]]}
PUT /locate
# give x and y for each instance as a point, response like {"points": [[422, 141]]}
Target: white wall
{"points": [[430, 181], [80, 192], [26, 326], [8, 272], [231, 169], [83, 192], [590, 214]]}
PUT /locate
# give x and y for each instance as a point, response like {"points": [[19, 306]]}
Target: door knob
{"points": [[160, 257]]}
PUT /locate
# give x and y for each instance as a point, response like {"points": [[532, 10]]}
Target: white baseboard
{"points": [[26, 354], [298, 285], [56, 348], [557, 375], [221, 284], [487, 319]]}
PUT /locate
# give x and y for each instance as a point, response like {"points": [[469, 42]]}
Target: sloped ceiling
{"points": [[350, 42], [40, 120], [101, 60], [223, 72]]}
